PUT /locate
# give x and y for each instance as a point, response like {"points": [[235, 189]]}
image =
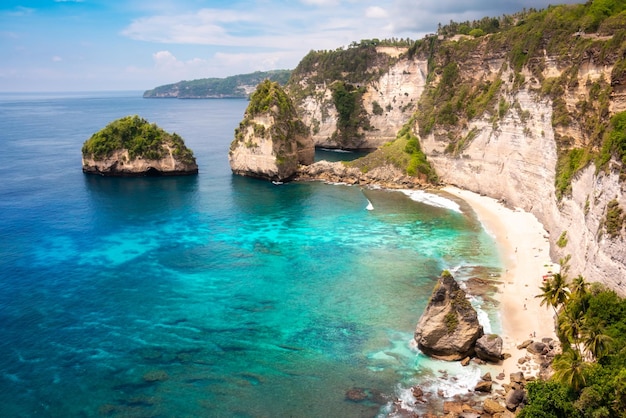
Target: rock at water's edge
{"points": [[448, 328], [271, 141], [132, 147]]}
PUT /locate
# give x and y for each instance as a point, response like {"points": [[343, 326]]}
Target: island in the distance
{"points": [[233, 87], [133, 147]]}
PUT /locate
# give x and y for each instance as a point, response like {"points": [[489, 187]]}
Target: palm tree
{"points": [[571, 322], [559, 287], [579, 287], [569, 369], [596, 342], [554, 292]]}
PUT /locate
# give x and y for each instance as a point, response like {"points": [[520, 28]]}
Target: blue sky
{"points": [[87, 45]]}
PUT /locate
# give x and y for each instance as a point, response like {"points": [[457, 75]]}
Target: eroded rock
{"points": [[448, 328], [271, 141]]}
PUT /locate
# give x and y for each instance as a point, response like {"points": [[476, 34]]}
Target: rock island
{"points": [[133, 147]]}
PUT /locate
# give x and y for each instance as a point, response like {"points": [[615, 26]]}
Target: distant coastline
{"points": [[234, 87]]}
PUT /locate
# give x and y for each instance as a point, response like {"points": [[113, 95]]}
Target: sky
{"points": [[99, 45]]}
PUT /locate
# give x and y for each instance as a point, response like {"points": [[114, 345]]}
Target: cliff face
{"points": [[521, 116], [516, 161], [387, 102], [271, 141], [119, 164]]}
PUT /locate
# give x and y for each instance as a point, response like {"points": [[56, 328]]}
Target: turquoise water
{"points": [[211, 295]]}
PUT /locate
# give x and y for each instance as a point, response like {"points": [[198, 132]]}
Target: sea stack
{"points": [[271, 141], [448, 328], [132, 147]]}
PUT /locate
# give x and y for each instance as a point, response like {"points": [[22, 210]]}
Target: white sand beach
{"points": [[525, 253]]}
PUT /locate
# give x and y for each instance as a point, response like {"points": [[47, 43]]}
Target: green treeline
{"points": [[357, 64], [590, 375], [141, 138]]}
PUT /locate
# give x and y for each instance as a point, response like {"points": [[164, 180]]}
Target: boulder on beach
{"points": [[492, 407], [489, 348], [449, 327], [515, 398], [483, 386]]}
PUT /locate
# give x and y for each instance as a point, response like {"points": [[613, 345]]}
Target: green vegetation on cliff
{"points": [[403, 153], [570, 37], [141, 138], [345, 71], [269, 99], [229, 87], [590, 375], [357, 64]]}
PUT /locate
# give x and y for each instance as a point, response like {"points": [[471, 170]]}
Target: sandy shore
{"points": [[524, 248]]}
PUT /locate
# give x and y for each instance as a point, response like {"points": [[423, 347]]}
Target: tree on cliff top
{"points": [[269, 98]]}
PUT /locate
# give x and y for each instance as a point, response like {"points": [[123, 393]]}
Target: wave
{"points": [[432, 200], [438, 380]]}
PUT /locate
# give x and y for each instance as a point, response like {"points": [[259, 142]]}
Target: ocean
{"points": [[210, 295]]}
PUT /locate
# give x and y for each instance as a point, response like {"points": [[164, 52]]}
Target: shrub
{"points": [[614, 219], [568, 164], [562, 241], [451, 321], [377, 108]]}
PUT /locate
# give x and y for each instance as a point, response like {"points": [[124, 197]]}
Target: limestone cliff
{"points": [[524, 150], [448, 328], [271, 141], [130, 147], [532, 114], [377, 104]]}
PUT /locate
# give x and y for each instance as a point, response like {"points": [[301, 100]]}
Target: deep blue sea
{"points": [[212, 295]]}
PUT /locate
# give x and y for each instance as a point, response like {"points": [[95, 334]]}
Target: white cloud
{"points": [[165, 60], [222, 64], [376, 12], [57, 58], [204, 27]]}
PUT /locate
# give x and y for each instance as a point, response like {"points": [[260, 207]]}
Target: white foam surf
{"points": [[432, 200]]}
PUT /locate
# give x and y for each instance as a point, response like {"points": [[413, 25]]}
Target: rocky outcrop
{"points": [[449, 327], [119, 164], [132, 147], [337, 172], [271, 141], [489, 348]]}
